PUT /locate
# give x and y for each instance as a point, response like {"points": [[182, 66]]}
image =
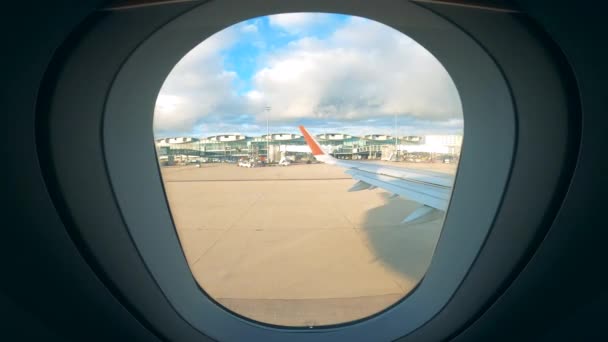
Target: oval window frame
{"points": [[143, 205]]}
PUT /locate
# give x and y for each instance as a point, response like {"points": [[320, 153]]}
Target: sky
{"points": [[329, 72]]}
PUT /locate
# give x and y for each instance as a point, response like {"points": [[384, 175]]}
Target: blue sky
{"points": [[330, 72], [242, 57]]}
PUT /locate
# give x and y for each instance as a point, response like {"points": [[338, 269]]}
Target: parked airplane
{"points": [[432, 189]]}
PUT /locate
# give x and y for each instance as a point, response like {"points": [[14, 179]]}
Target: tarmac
{"points": [[291, 246]]}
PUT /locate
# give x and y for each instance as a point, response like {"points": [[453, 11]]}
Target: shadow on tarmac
{"points": [[406, 248]]}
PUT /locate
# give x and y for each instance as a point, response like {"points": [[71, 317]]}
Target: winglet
{"points": [[315, 148]]}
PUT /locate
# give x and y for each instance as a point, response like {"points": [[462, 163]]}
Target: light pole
{"points": [[396, 148], [267, 135]]}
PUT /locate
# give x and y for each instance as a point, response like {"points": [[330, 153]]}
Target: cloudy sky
{"points": [[329, 72]]}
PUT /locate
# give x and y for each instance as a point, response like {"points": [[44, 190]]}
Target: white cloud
{"points": [[296, 23], [363, 69], [249, 28], [254, 96], [197, 86]]}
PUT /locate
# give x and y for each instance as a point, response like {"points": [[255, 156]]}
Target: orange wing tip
{"points": [[314, 147]]}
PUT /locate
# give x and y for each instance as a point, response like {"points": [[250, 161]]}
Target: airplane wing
{"points": [[431, 189]]}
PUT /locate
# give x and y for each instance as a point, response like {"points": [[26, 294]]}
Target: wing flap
{"points": [[431, 195], [419, 213], [360, 185]]}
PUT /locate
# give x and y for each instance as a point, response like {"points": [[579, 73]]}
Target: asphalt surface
{"points": [[291, 246]]}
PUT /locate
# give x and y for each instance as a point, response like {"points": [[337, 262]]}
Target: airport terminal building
{"points": [[274, 146]]}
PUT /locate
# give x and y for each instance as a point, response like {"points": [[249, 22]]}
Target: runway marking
{"points": [[232, 225]]}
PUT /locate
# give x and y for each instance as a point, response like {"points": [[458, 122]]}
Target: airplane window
{"points": [[308, 161]]}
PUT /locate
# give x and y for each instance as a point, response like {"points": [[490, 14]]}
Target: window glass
{"points": [[308, 162]]}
